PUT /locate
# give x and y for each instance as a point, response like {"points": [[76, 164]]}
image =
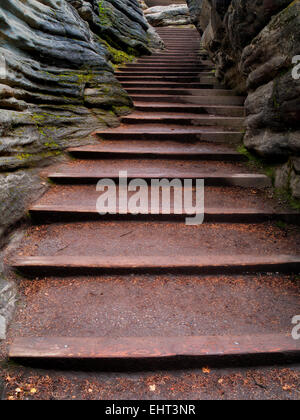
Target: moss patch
{"points": [[283, 194]]}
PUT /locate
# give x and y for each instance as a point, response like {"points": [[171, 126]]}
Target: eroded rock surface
{"points": [[57, 80], [172, 15], [253, 44]]}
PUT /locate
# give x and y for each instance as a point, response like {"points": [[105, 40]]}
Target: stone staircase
{"points": [[185, 126]]}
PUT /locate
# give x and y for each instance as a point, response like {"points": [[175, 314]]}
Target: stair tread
{"points": [[146, 168], [186, 116], [156, 147], [182, 105], [132, 243], [228, 200], [159, 128]]}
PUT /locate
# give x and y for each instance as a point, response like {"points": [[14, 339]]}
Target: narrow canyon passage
{"points": [[148, 286]]}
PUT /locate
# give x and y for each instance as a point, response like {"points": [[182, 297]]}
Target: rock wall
{"points": [[57, 83], [253, 44]]}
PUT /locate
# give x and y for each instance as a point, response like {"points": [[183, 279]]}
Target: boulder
{"points": [[174, 14]]}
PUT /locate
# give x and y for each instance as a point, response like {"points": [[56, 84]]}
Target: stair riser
{"points": [[174, 156], [134, 365], [51, 216], [38, 271], [225, 181]]}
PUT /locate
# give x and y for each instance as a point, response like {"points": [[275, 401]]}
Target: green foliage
{"points": [[258, 163], [104, 15], [269, 169], [117, 56], [286, 195]]}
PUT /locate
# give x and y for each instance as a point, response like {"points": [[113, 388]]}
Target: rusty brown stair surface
{"points": [[152, 347], [222, 204], [189, 99], [158, 149], [216, 110], [214, 173], [165, 84], [184, 119], [185, 125], [171, 132], [186, 92], [154, 246]]}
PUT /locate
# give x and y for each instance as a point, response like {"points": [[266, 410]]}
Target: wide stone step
{"points": [[184, 119], [170, 132], [165, 84], [174, 62], [157, 150], [184, 133], [220, 110], [167, 73], [201, 99], [135, 68], [123, 348], [214, 173], [183, 79], [169, 59], [176, 55], [180, 92], [221, 204], [42, 213]]}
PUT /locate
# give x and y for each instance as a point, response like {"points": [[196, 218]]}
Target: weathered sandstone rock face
{"points": [[174, 14], [57, 82], [253, 44]]}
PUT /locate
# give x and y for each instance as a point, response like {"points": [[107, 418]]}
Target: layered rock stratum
{"points": [[255, 44], [57, 83]]}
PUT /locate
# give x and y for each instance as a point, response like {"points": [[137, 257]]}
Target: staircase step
{"points": [[177, 61], [222, 205], [169, 132], [58, 212], [163, 73], [183, 119], [239, 179], [200, 100], [173, 62], [165, 84], [180, 79], [181, 92], [221, 264], [220, 110], [151, 347], [171, 67], [157, 150]]}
